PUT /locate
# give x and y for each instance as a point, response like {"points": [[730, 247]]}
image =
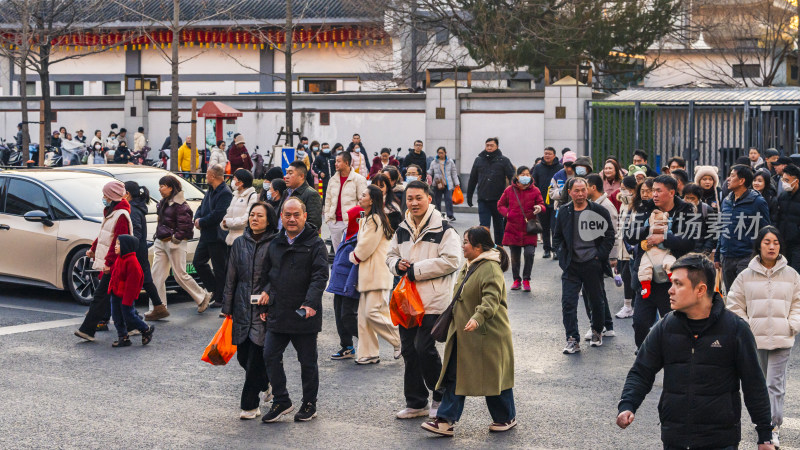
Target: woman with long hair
{"points": [[243, 279], [612, 180], [767, 296], [274, 193], [390, 206], [479, 353], [175, 228], [763, 185], [625, 198], [374, 279], [444, 175]]}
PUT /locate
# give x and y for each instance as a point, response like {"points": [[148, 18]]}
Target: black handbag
{"points": [[442, 324], [532, 226]]}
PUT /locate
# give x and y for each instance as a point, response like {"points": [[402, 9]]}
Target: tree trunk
{"points": [[23, 93], [288, 75], [173, 117], [44, 77]]}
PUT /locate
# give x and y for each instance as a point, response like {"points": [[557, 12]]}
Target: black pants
{"points": [[345, 311], [608, 324], [731, 268], [422, 363], [306, 347], [578, 275], [623, 267], [488, 215], [644, 315], [251, 358], [99, 309], [731, 447], [213, 280], [148, 286], [547, 219], [516, 253]]}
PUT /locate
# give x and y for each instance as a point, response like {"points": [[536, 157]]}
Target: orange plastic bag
{"points": [[228, 168], [405, 306], [458, 196], [221, 349]]}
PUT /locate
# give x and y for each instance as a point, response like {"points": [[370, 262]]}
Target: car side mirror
{"points": [[38, 216]]}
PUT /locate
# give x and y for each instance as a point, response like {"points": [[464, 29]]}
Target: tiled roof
{"points": [[755, 95]]}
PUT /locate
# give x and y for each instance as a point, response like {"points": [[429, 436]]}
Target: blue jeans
{"points": [[125, 317], [447, 196], [501, 407], [488, 215]]}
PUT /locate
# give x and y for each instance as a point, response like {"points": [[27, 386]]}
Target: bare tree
{"points": [[34, 30], [169, 17], [742, 42]]}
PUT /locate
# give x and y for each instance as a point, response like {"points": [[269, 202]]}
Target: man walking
{"points": [[789, 215], [296, 273], [744, 212], [344, 191], [416, 156], [491, 173], [706, 352], [678, 239], [542, 174], [297, 186], [583, 238], [597, 196], [212, 245], [427, 250]]}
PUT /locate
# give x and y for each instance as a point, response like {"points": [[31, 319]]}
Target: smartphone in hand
{"points": [[301, 312]]}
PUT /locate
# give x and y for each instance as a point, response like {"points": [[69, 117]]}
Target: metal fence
{"points": [[704, 134]]}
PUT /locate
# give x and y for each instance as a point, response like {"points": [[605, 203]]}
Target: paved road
{"points": [[60, 392]]}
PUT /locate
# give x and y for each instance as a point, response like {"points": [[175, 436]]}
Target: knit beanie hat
{"points": [[114, 190], [569, 157], [352, 221]]}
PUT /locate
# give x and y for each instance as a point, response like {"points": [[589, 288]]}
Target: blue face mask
{"points": [[525, 179], [326, 150], [306, 146], [580, 171], [411, 178], [269, 195], [106, 202]]}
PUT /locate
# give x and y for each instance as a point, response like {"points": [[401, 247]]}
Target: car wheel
{"points": [[82, 280]]}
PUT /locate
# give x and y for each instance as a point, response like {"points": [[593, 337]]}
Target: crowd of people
{"points": [[704, 265]]}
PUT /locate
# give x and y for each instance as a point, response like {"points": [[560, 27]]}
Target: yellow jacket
{"points": [[185, 158]]}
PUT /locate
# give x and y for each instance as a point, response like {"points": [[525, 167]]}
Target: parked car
{"points": [[48, 218]]}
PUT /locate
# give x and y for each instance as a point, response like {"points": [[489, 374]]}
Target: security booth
{"points": [[220, 122]]}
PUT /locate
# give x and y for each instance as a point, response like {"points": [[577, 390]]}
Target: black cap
{"points": [[770, 152], [782, 161]]}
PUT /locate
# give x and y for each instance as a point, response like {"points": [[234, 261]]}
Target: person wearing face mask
{"points": [[123, 154], [238, 213], [491, 173], [583, 166], [274, 192], [520, 203], [325, 165], [789, 214], [116, 222], [96, 154], [705, 242], [625, 198], [413, 173]]}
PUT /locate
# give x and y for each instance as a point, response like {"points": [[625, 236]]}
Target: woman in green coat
{"points": [[479, 355]]}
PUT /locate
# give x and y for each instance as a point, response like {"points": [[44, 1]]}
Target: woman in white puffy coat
{"points": [[218, 156], [767, 296], [244, 196]]}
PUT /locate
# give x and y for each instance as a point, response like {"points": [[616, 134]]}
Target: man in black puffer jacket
{"points": [[491, 173], [542, 175], [789, 214], [296, 271], [416, 156], [706, 352]]}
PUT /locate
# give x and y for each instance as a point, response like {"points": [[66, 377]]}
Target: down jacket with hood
{"points": [[244, 278], [434, 250], [238, 213], [737, 241], [491, 173], [769, 300], [126, 274], [174, 219], [218, 156], [344, 274]]}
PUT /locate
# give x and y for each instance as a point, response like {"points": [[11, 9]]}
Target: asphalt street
{"points": [[60, 392]]}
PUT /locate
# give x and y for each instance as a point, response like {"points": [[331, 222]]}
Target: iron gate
{"points": [[703, 134]]}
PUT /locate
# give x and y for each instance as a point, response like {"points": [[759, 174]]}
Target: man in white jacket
{"points": [[427, 250], [344, 190]]}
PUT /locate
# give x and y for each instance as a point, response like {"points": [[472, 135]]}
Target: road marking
{"points": [[14, 329], [41, 310]]}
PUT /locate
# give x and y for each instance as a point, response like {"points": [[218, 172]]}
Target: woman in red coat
{"points": [[520, 203]]}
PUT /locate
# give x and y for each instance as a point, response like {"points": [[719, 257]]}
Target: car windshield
{"points": [[86, 195], [150, 181]]}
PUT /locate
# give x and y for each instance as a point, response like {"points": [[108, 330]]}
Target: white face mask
{"points": [[580, 171], [786, 186], [411, 178]]}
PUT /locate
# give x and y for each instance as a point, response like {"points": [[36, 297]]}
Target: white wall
{"points": [[521, 136], [195, 60], [108, 62], [334, 60]]}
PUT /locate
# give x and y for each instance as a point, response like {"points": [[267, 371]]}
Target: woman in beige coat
{"points": [[374, 279], [767, 296]]}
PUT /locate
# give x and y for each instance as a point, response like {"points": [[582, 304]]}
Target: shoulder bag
{"points": [[442, 324], [532, 226]]}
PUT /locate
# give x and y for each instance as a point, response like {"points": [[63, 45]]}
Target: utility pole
{"points": [[173, 128], [288, 74]]}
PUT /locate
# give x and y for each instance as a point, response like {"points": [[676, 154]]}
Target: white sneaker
{"points": [[251, 414], [775, 437], [608, 333], [434, 409], [266, 396], [625, 312], [397, 353], [204, 304], [588, 335], [410, 413]]}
